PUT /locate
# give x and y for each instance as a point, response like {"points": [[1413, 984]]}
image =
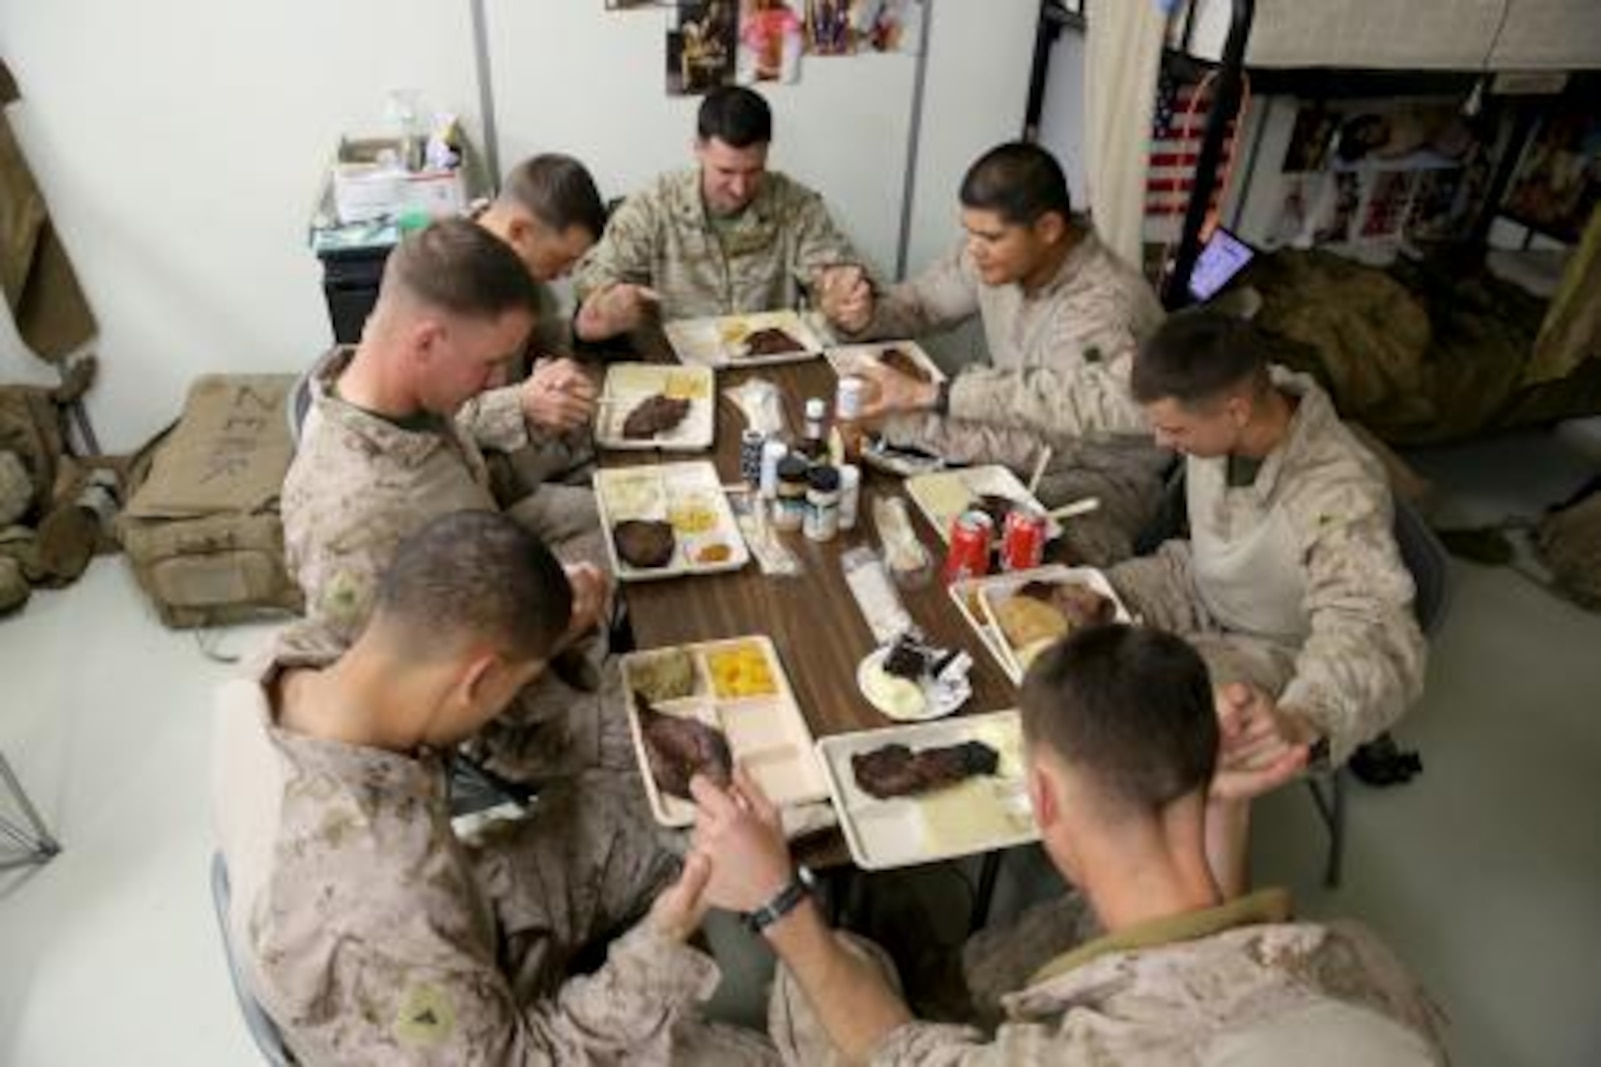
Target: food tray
{"points": [[973, 596], [943, 495], [629, 384], [847, 359], [718, 342], [767, 733], [687, 494], [979, 815]]}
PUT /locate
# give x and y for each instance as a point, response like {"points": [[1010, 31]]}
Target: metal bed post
{"points": [[1231, 70]]}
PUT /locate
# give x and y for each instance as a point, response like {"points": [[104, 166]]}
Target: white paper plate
{"points": [[938, 701]]}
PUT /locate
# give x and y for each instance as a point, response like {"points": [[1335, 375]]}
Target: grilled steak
{"points": [[897, 771], [1079, 604], [656, 414], [771, 342], [678, 749], [995, 506], [902, 362], [643, 543]]}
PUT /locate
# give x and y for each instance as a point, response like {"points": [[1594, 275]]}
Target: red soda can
{"points": [[1023, 540], [969, 552]]}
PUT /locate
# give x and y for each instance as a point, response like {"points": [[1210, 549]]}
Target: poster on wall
{"points": [[896, 26], [1344, 195], [1436, 212], [831, 27], [1558, 181], [1311, 139], [1388, 204], [770, 42], [701, 46], [637, 5]]}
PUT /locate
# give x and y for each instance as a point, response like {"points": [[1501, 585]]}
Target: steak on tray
{"points": [[897, 771]]}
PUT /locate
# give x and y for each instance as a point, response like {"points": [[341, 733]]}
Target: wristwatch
{"points": [[942, 398], [783, 902]]}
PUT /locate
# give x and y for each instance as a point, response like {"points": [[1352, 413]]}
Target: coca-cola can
{"points": [[1023, 539], [969, 552]]}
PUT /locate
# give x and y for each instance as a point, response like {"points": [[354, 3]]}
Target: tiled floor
{"points": [[1485, 874]]}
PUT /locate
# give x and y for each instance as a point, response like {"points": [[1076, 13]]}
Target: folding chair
{"points": [[35, 841], [262, 1029]]}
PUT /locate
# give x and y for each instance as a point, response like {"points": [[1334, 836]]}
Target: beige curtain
{"points": [[1123, 50]]}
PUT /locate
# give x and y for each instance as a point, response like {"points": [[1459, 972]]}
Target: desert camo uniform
{"points": [[372, 934], [1291, 578], [760, 260], [1057, 375]]}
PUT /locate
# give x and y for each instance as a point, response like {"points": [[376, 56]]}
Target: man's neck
{"points": [[1135, 881], [1051, 264], [369, 384], [1270, 426], [354, 701]]}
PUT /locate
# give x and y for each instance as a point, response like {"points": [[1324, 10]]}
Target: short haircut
{"points": [[475, 575], [1131, 707], [558, 191], [1018, 181], [737, 116], [1198, 356], [460, 267]]}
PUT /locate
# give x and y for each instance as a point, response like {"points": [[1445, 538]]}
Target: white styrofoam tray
{"points": [[630, 384], [767, 734], [974, 596], [668, 492], [981, 814], [719, 341], [943, 495], [848, 359]]}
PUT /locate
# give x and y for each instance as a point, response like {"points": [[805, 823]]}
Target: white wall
{"points": [[980, 52], [180, 143], [570, 76], [1063, 124]]}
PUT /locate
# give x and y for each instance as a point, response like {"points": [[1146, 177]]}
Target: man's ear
{"points": [[1050, 228], [1239, 409], [1042, 796], [427, 335], [518, 230]]}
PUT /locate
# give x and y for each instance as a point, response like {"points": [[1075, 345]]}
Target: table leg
{"points": [[987, 876]]}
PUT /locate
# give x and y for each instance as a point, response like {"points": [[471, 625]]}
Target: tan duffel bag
{"points": [[202, 530]]}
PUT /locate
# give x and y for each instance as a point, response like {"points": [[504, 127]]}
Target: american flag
{"points": [[1176, 133]]}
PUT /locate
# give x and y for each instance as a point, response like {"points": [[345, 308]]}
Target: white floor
{"points": [[1485, 874]]}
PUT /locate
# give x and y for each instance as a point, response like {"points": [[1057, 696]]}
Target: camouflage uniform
{"points": [[1057, 376], [760, 260], [1240, 980], [360, 484], [1294, 582], [372, 934]]}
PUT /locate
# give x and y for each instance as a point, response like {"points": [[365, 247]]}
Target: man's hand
{"points": [[678, 909], [558, 396], [615, 309], [1262, 746], [845, 297], [889, 392], [739, 829], [590, 587]]}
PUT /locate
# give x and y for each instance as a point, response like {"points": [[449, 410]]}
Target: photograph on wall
{"points": [[1435, 213], [1345, 195], [895, 25], [1404, 135], [770, 42], [1387, 204], [1558, 181], [701, 46], [1308, 150], [1303, 197], [831, 29]]}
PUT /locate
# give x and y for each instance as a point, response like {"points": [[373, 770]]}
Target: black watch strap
{"points": [[942, 398], [784, 901]]}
